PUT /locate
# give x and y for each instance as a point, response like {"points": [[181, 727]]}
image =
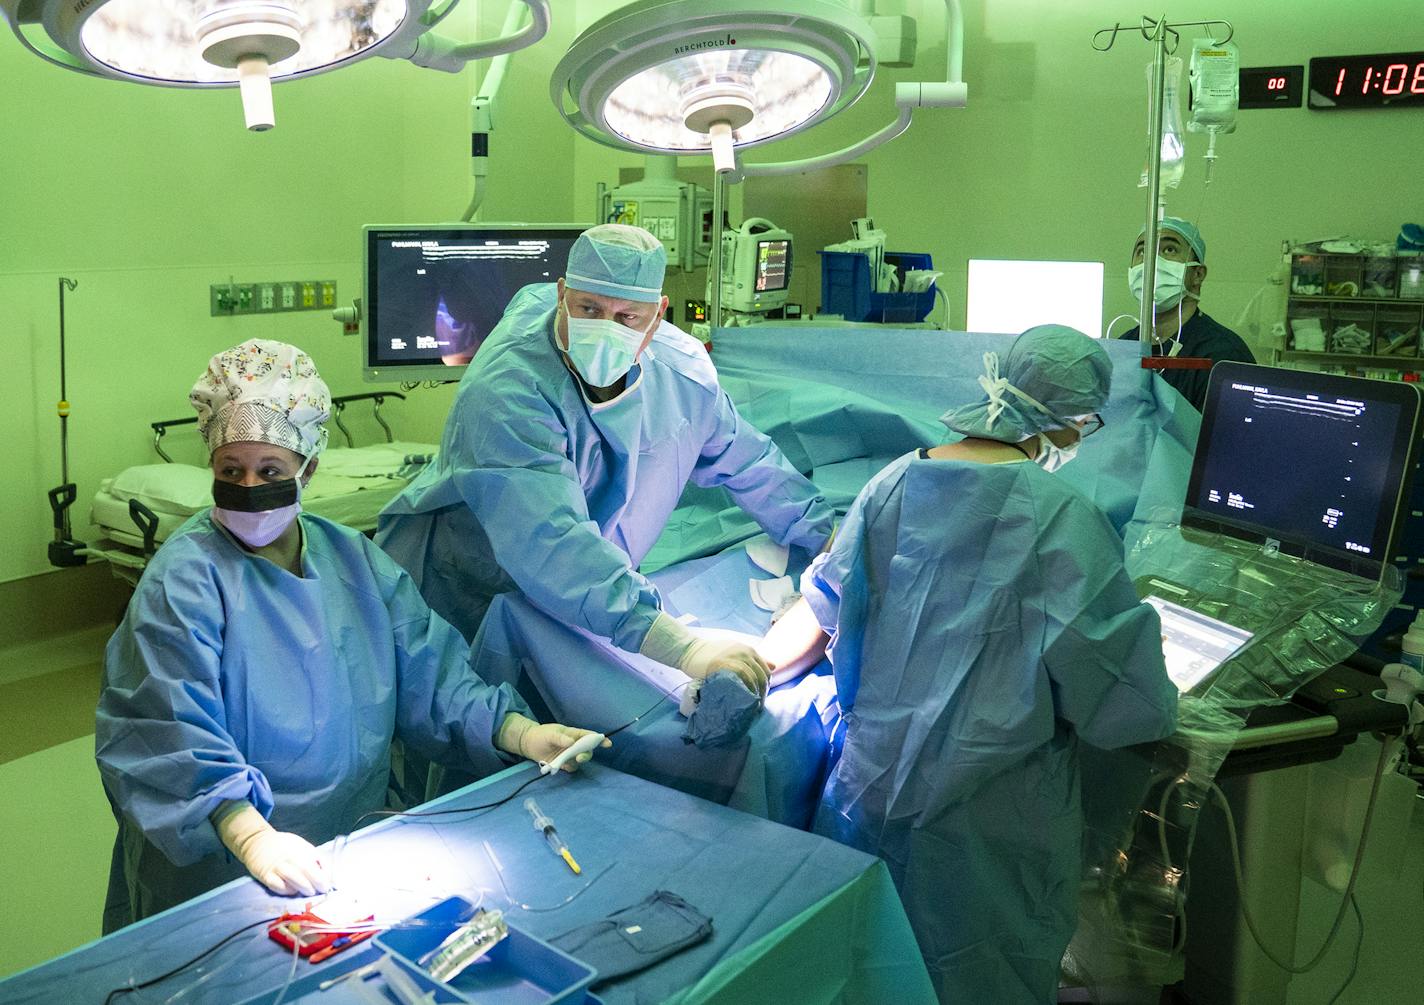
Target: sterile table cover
{"points": [[843, 402], [795, 917], [775, 771]]}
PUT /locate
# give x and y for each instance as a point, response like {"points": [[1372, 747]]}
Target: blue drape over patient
{"points": [[982, 625]]}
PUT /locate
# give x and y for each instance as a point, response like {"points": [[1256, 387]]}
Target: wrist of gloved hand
{"points": [[512, 733], [667, 641], [285, 863]]}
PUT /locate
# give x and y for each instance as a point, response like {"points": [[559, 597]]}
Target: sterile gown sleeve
{"points": [[1105, 663], [443, 709], [744, 461], [511, 469], [161, 736], [823, 583]]}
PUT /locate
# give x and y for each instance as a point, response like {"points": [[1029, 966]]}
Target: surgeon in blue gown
{"points": [[981, 625], [266, 661], [571, 438]]}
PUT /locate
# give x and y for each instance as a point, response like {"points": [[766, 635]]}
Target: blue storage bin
{"points": [[520, 970], [846, 288]]}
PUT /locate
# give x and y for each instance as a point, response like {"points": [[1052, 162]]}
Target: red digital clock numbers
{"points": [[1377, 81]]}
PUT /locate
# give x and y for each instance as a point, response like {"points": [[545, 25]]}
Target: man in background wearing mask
{"points": [[1181, 327], [569, 443]]}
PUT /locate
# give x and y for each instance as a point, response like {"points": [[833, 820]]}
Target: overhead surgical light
{"points": [[686, 76], [246, 43]]}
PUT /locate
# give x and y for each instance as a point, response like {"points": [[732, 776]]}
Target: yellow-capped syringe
{"points": [[543, 824]]}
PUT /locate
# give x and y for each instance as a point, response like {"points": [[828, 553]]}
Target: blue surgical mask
{"points": [[258, 514], [602, 350]]}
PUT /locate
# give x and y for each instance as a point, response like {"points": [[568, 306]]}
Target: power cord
{"points": [[666, 695], [179, 969], [1347, 901]]}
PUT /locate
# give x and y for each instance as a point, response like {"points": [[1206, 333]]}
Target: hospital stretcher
{"points": [[138, 508]]}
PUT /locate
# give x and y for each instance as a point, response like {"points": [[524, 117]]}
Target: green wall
{"points": [[147, 195]]}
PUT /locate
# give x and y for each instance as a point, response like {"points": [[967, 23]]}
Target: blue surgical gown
{"points": [[230, 678], [982, 624], [540, 490]]}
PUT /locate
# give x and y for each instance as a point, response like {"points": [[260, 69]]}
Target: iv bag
{"points": [[1215, 74], [1174, 154]]}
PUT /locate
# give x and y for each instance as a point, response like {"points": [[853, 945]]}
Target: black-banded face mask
{"points": [[254, 498], [258, 514]]}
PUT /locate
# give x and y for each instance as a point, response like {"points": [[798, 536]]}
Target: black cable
{"points": [[500, 802], [1355, 959], [179, 969], [665, 697], [442, 813]]}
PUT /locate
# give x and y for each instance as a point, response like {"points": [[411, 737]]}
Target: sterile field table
{"points": [[796, 918]]}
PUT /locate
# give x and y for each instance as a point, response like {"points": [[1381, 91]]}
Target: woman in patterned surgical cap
{"points": [[266, 662]]}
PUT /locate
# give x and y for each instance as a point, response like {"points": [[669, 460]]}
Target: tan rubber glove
{"points": [[675, 644], [287, 864]]}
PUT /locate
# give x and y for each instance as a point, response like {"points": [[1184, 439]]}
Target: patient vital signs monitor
{"points": [[434, 293], [1314, 465]]}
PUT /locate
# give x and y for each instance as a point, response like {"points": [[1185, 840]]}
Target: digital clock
{"points": [[1389, 80], [1271, 86]]}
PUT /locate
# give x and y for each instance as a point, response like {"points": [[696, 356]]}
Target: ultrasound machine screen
{"points": [[1317, 464]]}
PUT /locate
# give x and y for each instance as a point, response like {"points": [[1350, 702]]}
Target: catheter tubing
{"points": [[952, 93]]}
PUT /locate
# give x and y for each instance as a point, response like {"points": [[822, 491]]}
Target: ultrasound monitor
{"points": [[1315, 465], [433, 293]]}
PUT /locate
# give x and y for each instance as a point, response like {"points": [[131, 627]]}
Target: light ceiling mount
{"points": [[248, 43], [685, 76]]}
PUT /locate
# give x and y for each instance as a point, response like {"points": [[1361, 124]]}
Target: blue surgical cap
{"points": [[1060, 368], [1187, 231], [616, 260]]}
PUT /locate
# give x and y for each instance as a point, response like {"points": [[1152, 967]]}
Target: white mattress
{"points": [[351, 486]]}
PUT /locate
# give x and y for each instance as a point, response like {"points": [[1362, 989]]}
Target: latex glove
{"points": [[676, 645], [285, 863], [541, 742]]}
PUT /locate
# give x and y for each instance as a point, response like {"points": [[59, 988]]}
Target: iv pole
{"points": [[1158, 33]]}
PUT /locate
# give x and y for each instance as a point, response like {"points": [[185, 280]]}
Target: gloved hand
{"points": [[284, 863], [541, 742], [675, 644]]}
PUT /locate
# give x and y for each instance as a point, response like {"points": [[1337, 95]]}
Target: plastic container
{"points": [[1307, 275], [1397, 331], [519, 970], [846, 288], [1344, 275], [1411, 647]]}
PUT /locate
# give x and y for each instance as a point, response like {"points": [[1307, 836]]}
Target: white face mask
{"points": [[1051, 456], [1171, 282], [601, 349]]}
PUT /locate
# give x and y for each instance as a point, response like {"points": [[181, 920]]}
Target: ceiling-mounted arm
{"points": [[437, 52], [952, 92]]}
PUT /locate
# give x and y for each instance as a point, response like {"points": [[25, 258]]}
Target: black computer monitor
{"points": [[434, 292], [1316, 465]]}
